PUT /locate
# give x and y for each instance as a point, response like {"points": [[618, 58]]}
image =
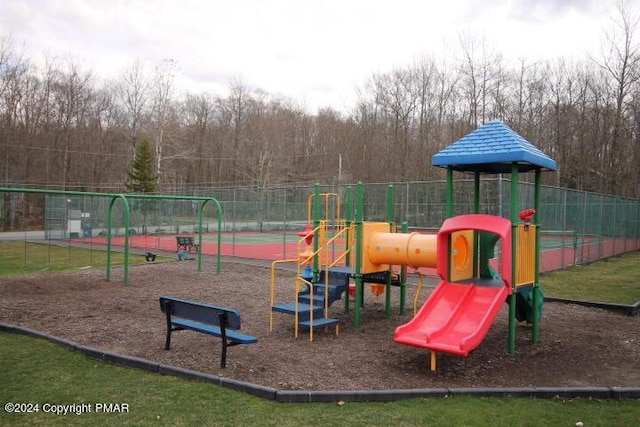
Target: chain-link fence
{"points": [[578, 226], [72, 216]]}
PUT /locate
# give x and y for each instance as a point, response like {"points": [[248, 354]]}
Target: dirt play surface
{"points": [[578, 346]]}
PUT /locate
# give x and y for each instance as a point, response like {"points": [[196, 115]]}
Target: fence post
{"points": [[637, 225], [625, 230], [600, 237], [615, 228], [233, 222], [285, 225], [406, 203], [564, 229], [500, 195]]}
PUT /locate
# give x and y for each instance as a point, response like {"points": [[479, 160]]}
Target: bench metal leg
{"points": [[223, 329], [223, 359], [167, 310], [168, 341]]}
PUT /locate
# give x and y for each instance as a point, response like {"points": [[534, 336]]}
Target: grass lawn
{"points": [[613, 280], [20, 257], [36, 371]]}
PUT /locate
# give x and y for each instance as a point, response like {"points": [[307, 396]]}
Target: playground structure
{"points": [[474, 282]]}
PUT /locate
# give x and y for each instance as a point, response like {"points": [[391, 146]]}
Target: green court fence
{"points": [[579, 226]]}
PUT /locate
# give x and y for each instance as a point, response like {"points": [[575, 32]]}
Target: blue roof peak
{"points": [[493, 148]]}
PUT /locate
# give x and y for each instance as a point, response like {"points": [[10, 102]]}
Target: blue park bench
{"points": [[221, 322]]}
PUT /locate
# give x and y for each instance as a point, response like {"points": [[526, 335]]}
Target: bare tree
{"points": [[12, 91], [163, 120], [109, 123], [71, 99], [365, 116], [237, 105], [482, 74], [447, 86], [425, 75], [199, 110], [133, 90], [621, 61], [586, 116]]}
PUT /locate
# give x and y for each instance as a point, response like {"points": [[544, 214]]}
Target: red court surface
{"points": [[261, 251], [550, 259], [589, 251]]}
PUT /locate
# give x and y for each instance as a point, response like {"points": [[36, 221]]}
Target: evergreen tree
{"points": [[143, 180], [141, 176]]}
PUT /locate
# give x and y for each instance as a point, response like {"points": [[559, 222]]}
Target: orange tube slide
{"points": [[414, 250]]}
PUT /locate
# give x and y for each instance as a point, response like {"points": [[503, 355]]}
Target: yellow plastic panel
{"points": [[526, 255], [369, 230], [461, 255]]}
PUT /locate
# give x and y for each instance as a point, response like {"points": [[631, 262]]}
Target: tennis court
{"points": [[262, 246], [557, 250]]}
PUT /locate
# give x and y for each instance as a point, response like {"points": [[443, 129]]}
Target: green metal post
{"points": [[535, 327], [515, 199], [127, 229], [315, 206], [391, 221], [348, 214], [476, 210], [390, 204], [358, 273], [219, 239], [200, 211], [449, 208], [127, 225], [348, 217], [403, 276], [218, 260], [108, 273], [476, 192]]}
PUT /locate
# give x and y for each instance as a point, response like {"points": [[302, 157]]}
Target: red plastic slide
{"points": [[455, 318]]}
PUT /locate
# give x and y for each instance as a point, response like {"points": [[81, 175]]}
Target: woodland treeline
{"points": [[63, 127]]}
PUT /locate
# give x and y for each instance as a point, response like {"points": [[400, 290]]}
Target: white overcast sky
{"points": [[313, 51]]}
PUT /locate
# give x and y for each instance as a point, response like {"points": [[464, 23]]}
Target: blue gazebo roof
{"points": [[493, 148]]}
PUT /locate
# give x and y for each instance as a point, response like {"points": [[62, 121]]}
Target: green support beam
{"points": [[535, 327], [357, 307], [391, 220], [515, 200]]}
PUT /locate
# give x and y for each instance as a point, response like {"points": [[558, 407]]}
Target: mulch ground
{"points": [[578, 346]]}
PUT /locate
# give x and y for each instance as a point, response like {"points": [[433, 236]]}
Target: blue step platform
{"points": [[338, 285]]}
